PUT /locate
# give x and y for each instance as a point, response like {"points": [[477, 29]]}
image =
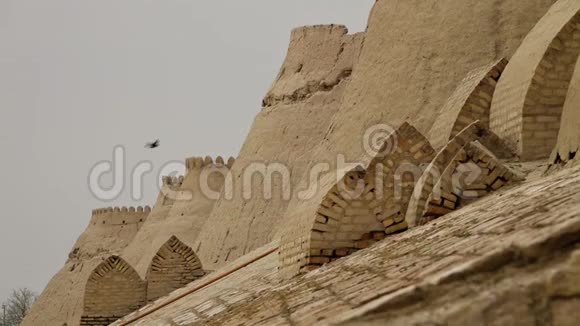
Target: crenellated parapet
{"points": [[198, 163], [120, 215], [204, 175], [139, 209]]}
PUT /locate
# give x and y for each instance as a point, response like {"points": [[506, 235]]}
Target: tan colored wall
{"points": [[113, 290], [415, 54], [473, 174], [174, 266], [528, 103], [296, 117], [366, 205], [566, 151], [62, 300], [484, 253], [110, 230], [180, 212], [471, 101]]}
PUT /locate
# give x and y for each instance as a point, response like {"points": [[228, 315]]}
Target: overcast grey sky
{"points": [[79, 77]]}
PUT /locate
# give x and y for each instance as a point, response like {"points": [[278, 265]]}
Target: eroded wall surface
{"points": [[332, 87], [416, 53], [109, 232], [530, 96], [521, 235], [296, 117], [569, 136], [181, 211]]}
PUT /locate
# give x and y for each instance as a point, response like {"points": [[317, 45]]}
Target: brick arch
{"points": [[368, 204], [464, 149], [174, 266], [473, 174], [114, 289], [470, 102], [527, 106]]}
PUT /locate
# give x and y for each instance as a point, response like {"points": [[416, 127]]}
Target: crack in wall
{"points": [[310, 89]]}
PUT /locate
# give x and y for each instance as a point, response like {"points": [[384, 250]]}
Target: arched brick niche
{"points": [[114, 289], [365, 206], [527, 106], [174, 266], [470, 102], [473, 174], [445, 177]]}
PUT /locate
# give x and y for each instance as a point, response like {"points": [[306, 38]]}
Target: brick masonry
{"points": [[470, 102], [527, 106], [174, 266], [113, 290], [566, 151], [181, 210], [365, 206], [442, 161], [477, 240], [513, 222], [473, 174]]}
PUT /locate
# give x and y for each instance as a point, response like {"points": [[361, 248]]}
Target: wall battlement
{"points": [[124, 210], [333, 87], [194, 163], [120, 215]]}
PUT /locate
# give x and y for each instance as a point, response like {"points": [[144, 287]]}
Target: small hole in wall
{"points": [[299, 69], [140, 220], [572, 155], [103, 222], [123, 222]]}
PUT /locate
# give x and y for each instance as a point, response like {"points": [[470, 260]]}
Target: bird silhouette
{"points": [[152, 145]]}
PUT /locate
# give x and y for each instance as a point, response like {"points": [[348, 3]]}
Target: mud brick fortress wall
{"points": [[530, 97], [296, 116], [481, 98]]}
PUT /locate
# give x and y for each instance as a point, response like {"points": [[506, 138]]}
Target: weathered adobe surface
{"points": [[296, 117], [447, 161], [412, 61], [520, 235], [470, 102], [349, 219], [239, 280], [109, 232], [133, 253], [528, 102], [566, 151], [540, 291], [181, 212], [114, 289]]}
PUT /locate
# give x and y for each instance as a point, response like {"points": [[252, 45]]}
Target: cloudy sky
{"points": [[79, 77]]}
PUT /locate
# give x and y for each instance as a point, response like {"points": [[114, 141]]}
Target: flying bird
{"points": [[152, 145]]}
